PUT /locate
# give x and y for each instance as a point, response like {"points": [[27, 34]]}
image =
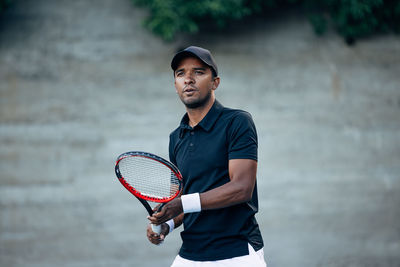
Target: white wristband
{"points": [[191, 203], [171, 224]]}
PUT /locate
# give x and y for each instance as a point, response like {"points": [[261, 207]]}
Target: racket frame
{"points": [[137, 193]]}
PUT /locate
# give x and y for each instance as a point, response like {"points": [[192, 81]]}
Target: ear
{"points": [[216, 83]]}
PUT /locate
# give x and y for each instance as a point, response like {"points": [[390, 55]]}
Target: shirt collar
{"points": [[208, 121]]}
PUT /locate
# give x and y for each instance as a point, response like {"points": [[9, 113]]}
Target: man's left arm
{"points": [[242, 174]]}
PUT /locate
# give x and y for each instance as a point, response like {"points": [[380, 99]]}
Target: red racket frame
{"points": [[151, 156]]}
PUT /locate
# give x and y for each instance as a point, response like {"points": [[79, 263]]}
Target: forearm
{"points": [[178, 220], [239, 189], [229, 194]]}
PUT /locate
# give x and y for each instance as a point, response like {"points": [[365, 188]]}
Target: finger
{"points": [[156, 208], [162, 237], [153, 220], [150, 234], [159, 213], [158, 219], [154, 240], [153, 237]]}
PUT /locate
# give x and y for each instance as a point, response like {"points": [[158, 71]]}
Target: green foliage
{"points": [[4, 4], [168, 17], [352, 19]]}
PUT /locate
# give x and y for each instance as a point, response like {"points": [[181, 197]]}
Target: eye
{"points": [[179, 74], [199, 72]]}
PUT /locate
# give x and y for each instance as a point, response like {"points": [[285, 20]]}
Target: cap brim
{"points": [[181, 55]]}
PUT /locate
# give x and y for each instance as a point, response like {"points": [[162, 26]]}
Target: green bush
{"points": [[4, 4], [352, 19], [168, 17]]}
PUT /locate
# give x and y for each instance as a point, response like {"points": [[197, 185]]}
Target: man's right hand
{"points": [[155, 238]]}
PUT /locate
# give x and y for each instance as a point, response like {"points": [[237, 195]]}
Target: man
{"points": [[215, 148]]}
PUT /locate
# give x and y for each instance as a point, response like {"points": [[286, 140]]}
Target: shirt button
{"points": [[191, 144], [191, 133]]}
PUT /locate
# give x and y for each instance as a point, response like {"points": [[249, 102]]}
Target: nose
{"points": [[189, 78]]}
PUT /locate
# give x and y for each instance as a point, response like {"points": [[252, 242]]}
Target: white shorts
{"points": [[254, 259]]}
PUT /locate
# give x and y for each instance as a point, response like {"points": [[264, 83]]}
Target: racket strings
{"points": [[149, 177]]}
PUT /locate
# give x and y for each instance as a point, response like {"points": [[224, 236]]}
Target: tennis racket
{"points": [[149, 178]]}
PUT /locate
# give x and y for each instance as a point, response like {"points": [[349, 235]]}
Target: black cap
{"points": [[201, 53]]}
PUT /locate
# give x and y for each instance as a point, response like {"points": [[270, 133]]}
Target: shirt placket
{"points": [[192, 145]]}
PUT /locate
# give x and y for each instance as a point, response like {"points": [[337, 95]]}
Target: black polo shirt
{"points": [[202, 154]]}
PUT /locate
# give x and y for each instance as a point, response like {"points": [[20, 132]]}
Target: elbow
{"points": [[248, 196], [245, 194]]}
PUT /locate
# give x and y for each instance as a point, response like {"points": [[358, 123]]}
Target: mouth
{"points": [[189, 90]]}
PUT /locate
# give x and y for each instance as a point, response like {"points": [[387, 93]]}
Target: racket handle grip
{"points": [[156, 228]]}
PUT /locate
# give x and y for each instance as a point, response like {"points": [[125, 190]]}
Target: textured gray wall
{"points": [[82, 82]]}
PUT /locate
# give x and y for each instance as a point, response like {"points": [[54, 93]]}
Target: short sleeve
{"points": [[242, 134]]}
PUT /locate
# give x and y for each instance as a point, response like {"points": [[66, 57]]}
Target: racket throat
{"points": [[160, 207]]}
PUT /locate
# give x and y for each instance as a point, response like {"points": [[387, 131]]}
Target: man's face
{"points": [[194, 82]]}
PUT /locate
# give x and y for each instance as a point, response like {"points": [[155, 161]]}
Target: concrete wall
{"points": [[82, 82]]}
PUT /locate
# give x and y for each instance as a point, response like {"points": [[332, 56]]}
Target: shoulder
{"points": [[236, 116], [239, 123], [233, 112], [174, 134], [241, 135]]}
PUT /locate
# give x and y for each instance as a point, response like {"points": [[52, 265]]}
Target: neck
{"points": [[197, 114]]}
